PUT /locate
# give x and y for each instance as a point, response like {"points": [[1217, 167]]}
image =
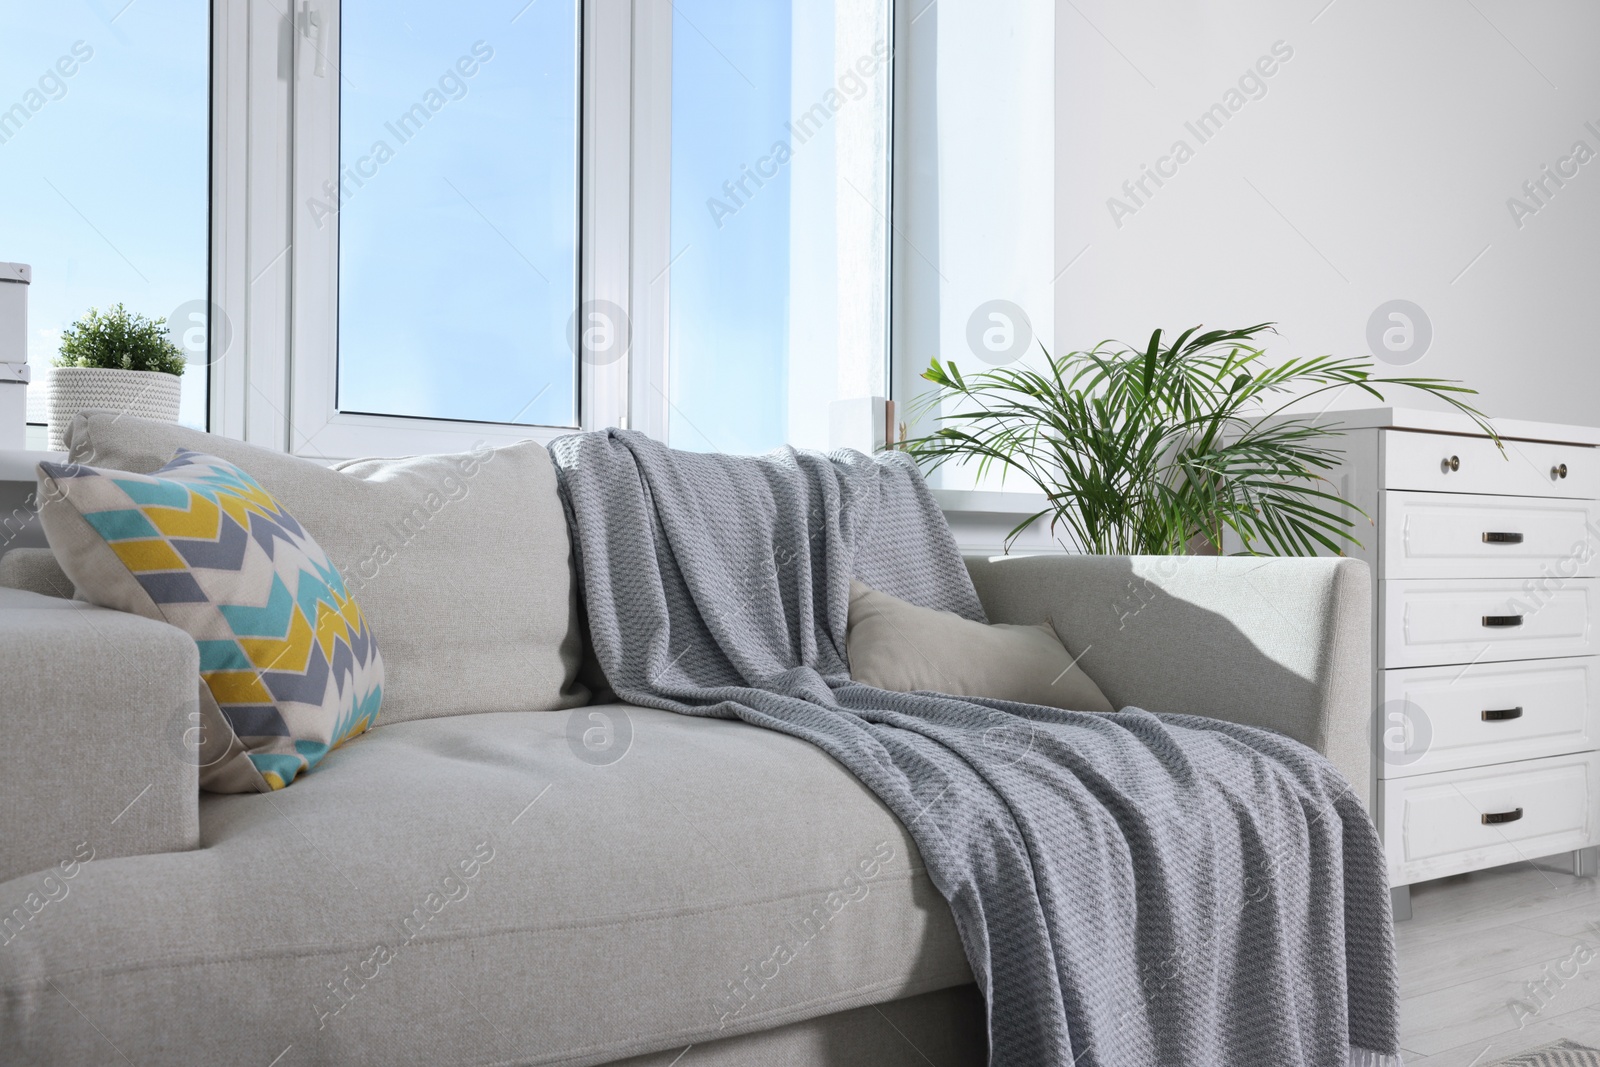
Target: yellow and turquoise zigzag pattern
{"points": [[284, 649]]}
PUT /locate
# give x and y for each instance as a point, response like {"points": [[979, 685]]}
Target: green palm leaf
{"points": [[1165, 448]]}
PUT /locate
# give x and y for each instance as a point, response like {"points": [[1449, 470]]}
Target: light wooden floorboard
{"points": [[1498, 962], [1581, 1026]]}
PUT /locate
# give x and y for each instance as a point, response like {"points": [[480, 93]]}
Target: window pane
{"points": [[780, 139], [104, 118], [458, 211]]}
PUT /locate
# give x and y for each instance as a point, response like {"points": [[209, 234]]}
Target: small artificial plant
{"points": [[1160, 450], [120, 340]]}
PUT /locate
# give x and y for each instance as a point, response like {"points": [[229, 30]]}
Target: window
{"points": [[495, 222], [435, 225], [104, 133], [457, 211], [779, 218], [978, 275]]}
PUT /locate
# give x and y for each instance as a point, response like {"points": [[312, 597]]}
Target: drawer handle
{"points": [[1502, 620], [1501, 537], [1558, 472], [1494, 818], [1452, 463], [1501, 714]]}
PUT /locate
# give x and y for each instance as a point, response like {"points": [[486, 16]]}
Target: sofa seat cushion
{"points": [[568, 887]]}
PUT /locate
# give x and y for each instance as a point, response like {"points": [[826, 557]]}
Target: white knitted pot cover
{"points": [[146, 393]]}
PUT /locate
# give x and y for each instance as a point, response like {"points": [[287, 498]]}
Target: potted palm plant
{"points": [[1162, 450], [114, 360]]}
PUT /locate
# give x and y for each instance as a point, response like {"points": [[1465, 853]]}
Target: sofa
{"points": [[539, 875]]}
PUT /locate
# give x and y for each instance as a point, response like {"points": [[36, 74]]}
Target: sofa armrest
{"points": [[1279, 643], [94, 705]]}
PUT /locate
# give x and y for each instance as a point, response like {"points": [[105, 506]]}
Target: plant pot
{"points": [[148, 394]]}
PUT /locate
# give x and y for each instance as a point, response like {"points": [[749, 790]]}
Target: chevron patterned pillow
{"points": [[288, 667]]}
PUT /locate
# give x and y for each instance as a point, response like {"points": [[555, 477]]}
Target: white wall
{"points": [[1377, 166]]}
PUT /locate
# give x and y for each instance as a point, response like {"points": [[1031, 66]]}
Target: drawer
{"points": [[1431, 622], [1433, 824], [1446, 718], [1423, 461], [1443, 535]]}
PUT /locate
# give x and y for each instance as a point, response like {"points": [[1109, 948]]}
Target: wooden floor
{"points": [[1497, 962]]}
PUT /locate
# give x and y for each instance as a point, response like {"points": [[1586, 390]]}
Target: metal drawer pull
{"points": [[1558, 472], [1453, 463], [1502, 620], [1501, 714], [1492, 818], [1501, 537]]}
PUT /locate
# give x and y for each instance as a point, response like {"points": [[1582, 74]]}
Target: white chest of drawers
{"points": [[1486, 654]]}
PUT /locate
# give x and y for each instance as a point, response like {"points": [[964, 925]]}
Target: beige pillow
{"points": [[899, 646]]}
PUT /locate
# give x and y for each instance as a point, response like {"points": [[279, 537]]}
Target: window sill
{"points": [[982, 521], [984, 502], [22, 464]]}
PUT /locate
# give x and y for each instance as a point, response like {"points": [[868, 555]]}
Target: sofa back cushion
{"points": [[35, 570], [461, 563]]}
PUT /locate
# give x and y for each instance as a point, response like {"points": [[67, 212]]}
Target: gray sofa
{"points": [[631, 871]]}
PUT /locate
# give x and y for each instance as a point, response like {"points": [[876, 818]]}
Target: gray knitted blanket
{"points": [[1133, 890]]}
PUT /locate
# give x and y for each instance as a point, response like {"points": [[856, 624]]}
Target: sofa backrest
{"points": [[36, 571], [461, 563]]}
